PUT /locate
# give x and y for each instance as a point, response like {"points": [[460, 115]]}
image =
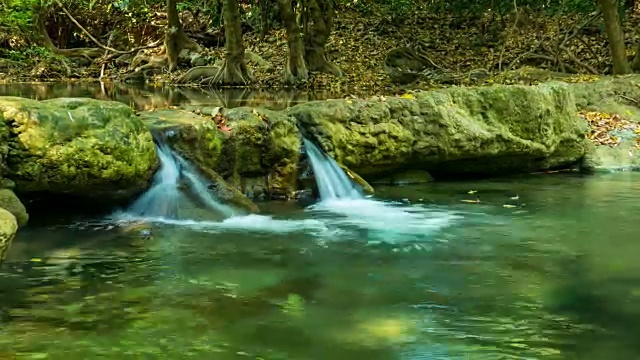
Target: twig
{"points": [[100, 45], [521, 56], [590, 48], [577, 29], [104, 64], [504, 46], [577, 61], [553, 60], [631, 100]]}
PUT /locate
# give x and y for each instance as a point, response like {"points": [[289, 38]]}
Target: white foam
{"points": [[389, 222], [245, 223]]}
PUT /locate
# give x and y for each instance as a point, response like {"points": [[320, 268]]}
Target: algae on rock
{"points": [[8, 229], [10, 202], [259, 155], [481, 130], [77, 146]]}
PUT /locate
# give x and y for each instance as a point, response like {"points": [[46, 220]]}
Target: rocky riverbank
{"points": [[103, 152]]}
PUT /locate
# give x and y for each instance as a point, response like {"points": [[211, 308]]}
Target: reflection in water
{"points": [[146, 97], [555, 279]]}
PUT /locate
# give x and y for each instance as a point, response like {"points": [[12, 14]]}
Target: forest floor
{"points": [[567, 47]]}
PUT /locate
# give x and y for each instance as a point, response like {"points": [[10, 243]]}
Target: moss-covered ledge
{"points": [[459, 130]]}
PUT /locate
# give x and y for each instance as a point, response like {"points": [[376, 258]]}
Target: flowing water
{"points": [[332, 182], [162, 199], [542, 267]]}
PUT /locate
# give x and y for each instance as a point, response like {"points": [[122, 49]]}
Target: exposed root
{"points": [[295, 70], [232, 74], [198, 74]]}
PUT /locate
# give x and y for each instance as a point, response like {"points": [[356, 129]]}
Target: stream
{"points": [[542, 267]]}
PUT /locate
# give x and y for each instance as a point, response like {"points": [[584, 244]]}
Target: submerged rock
{"points": [[84, 147], [477, 130], [8, 228]]}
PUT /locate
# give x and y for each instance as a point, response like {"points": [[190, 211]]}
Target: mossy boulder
{"points": [[77, 146], [8, 229], [259, 155], [10, 202], [480, 130], [614, 95]]}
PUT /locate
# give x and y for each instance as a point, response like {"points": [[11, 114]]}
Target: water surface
{"points": [[543, 267], [536, 267]]}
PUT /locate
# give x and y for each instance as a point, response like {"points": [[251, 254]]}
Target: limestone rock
{"points": [[477, 130], [600, 158], [78, 146], [262, 147], [8, 228], [10, 202]]}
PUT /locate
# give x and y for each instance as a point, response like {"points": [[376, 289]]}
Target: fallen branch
{"points": [[106, 52], [554, 60], [521, 56], [629, 99], [100, 45], [577, 61], [576, 29]]}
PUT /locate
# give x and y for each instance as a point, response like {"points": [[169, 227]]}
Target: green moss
{"points": [[81, 146], [526, 127], [8, 229], [10, 202], [261, 144]]}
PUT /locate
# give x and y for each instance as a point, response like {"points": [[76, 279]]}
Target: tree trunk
{"points": [[295, 69], [318, 23], [615, 34], [44, 39], [175, 40], [234, 70], [635, 64], [264, 19]]}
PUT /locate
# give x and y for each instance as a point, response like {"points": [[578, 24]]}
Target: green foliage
{"points": [[17, 15], [33, 52]]}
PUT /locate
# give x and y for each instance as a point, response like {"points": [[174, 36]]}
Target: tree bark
{"points": [[175, 40], [295, 69], [44, 39], [318, 23], [615, 35], [635, 64], [234, 70], [264, 19]]}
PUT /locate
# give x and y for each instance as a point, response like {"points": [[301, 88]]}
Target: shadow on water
{"points": [[146, 97]]}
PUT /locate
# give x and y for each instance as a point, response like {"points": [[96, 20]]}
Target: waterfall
{"points": [[333, 182], [161, 200], [199, 188]]}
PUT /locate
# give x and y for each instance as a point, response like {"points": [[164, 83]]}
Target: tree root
{"points": [[295, 70], [232, 74], [198, 74]]}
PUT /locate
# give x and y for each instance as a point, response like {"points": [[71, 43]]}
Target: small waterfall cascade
{"points": [[333, 183], [199, 188], [161, 199]]}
